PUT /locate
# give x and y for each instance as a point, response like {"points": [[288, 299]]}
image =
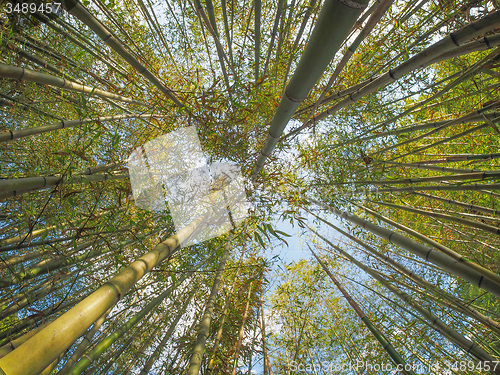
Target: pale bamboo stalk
{"points": [[426, 167], [449, 43], [333, 25], [454, 263], [22, 74], [46, 345], [375, 17], [8, 135], [473, 187], [204, 330]]}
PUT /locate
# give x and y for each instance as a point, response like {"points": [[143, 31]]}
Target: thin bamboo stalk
{"points": [[204, 330], [379, 336], [9, 135], [433, 321], [77, 10], [22, 74]]}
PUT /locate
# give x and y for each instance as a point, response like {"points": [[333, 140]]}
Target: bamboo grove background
{"points": [[379, 140]]}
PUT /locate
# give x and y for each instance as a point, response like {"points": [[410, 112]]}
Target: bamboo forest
{"points": [[249, 187]]}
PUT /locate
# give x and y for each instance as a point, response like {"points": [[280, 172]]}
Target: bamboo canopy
{"points": [[250, 187]]}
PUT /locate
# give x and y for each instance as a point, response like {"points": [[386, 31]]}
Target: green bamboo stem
{"points": [[8, 135], [159, 348], [7, 348], [220, 331], [426, 167], [375, 17], [473, 116], [473, 187], [444, 297], [433, 321], [448, 139], [456, 265], [483, 271], [279, 13], [303, 24], [220, 50], [267, 362], [24, 299], [204, 330], [460, 157], [449, 43], [22, 74], [45, 346], [77, 10], [379, 336], [244, 319], [333, 25], [105, 343], [258, 16], [453, 177], [456, 219]]}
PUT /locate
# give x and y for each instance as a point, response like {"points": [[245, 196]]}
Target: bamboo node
{"points": [[352, 4]]}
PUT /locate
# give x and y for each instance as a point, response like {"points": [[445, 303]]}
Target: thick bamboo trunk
{"points": [[448, 44], [46, 345], [456, 265], [334, 23]]}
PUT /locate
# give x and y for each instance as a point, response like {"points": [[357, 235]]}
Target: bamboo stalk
{"points": [[379, 336], [9, 135], [446, 298], [77, 10], [449, 43], [461, 220], [433, 321], [204, 330], [22, 74], [456, 265], [333, 25], [46, 345]]}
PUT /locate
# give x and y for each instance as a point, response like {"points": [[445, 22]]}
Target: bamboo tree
{"points": [[203, 331], [76, 9], [333, 24], [22, 74], [450, 43], [456, 265], [46, 345], [9, 135], [434, 321], [396, 357], [242, 329]]}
